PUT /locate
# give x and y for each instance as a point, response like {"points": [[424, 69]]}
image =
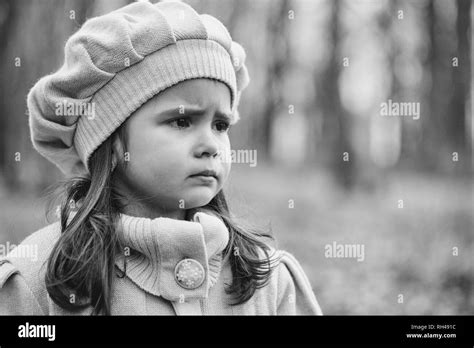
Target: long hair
{"points": [[81, 267]]}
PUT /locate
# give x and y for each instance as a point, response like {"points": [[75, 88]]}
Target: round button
{"points": [[189, 274]]}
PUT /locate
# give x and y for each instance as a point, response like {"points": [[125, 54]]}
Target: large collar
{"points": [[154, 247]]}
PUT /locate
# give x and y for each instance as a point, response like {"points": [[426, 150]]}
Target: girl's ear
{"points": [[117, 150], [114, 160]]}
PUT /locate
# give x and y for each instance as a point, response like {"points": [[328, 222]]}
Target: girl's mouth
{"points": [[205, 179], [206, 173]]}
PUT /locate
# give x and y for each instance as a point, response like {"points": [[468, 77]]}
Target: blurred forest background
{"points": [[330, 167]]}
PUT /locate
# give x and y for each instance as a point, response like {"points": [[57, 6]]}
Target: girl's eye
{"points": [[180, 122], [183, 122], [222, 126]]}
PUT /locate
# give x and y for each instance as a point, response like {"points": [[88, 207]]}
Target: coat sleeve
{"points": [[295, 295], [16, 297]]}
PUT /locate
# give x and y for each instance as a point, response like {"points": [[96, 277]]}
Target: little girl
{"points": [[138, 119]]}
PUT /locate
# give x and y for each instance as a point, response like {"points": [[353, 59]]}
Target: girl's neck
{"points": [[138, 207], [153, 213]]}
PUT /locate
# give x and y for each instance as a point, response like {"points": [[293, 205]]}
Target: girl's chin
{"points": [[199, 197]]}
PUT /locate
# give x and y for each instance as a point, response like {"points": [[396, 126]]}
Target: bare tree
{"points": [[336, 121]]}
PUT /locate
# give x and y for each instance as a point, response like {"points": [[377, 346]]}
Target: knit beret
{"points": [[116, 62]]}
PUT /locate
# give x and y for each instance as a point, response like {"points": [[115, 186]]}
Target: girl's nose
{"points": [[208, 145]]}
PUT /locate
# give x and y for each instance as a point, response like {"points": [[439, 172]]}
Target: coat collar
{"points": [[153, 248]]}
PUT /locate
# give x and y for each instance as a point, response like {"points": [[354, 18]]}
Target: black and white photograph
{"points": [[310, 159]]}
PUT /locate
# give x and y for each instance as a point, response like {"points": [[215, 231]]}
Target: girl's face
{"points": [[179, 133]]}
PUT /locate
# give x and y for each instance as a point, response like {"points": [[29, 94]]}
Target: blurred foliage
{"points": [[408, 251]]}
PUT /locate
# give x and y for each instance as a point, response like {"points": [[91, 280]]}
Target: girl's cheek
{"points": [[226, 157], [226, 166]]}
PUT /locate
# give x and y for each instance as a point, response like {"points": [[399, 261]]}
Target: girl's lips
{"points": [[208, 172], [206, 179]]}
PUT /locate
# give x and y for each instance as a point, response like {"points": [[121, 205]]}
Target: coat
{"points": [[174, 267]]}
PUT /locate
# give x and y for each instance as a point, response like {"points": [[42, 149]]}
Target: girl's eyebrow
{"points": [[192, 111]]}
